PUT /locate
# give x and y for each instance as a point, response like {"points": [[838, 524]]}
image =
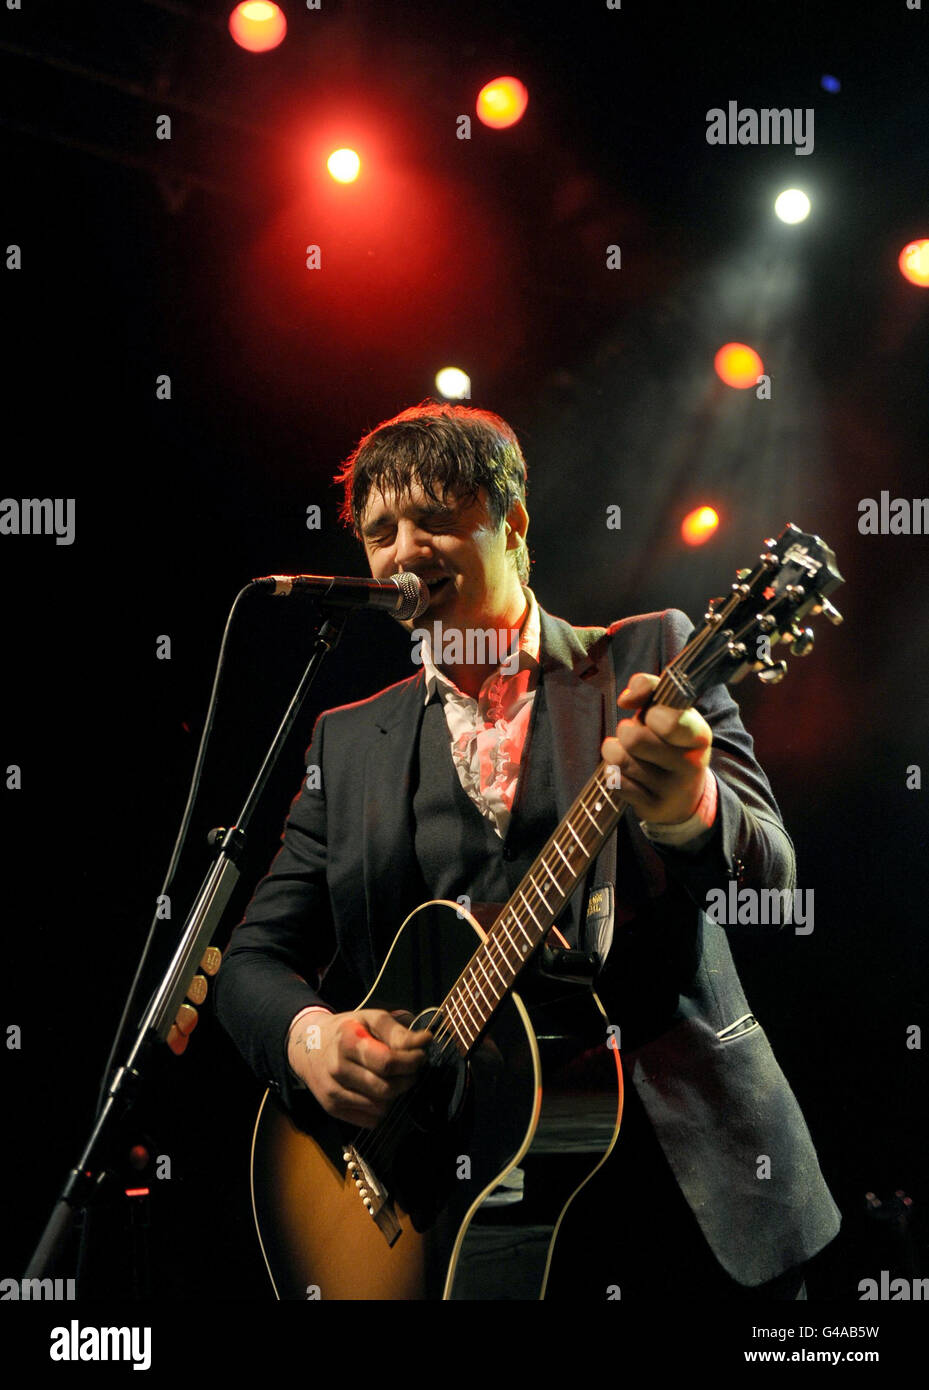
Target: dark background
{"points": [[143, 257]]}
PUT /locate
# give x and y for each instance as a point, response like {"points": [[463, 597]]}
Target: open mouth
{"points": [[438, 586]]}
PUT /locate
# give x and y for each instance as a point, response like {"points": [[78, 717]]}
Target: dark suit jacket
{"points": [[346, 877]]}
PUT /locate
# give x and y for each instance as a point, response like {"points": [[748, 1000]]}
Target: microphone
{"points": [[402, 595]]}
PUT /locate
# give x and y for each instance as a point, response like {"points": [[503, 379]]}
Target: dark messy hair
{"points": [[449, 450]]}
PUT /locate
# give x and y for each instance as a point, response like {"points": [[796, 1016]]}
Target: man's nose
{"points": [[413, 544]]}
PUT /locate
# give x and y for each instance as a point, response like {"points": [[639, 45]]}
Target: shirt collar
{"points": [[528, 653]]}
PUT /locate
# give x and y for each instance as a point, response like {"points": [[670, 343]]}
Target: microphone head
{"points": [[414, 595]]}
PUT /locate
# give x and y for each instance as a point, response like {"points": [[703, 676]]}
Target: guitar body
{"points": [[470, 1173]]}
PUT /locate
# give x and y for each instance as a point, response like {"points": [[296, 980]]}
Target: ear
{"points": [[516, 525]]}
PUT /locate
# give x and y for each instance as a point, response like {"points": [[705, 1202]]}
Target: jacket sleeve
{"points": [[285, 939], [749, 842]]}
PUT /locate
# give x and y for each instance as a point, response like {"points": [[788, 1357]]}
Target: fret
{"points": [[531, 913], [457, 1025], [565, 858], [529, 942], [605, 793], [578, 838], [502, 925], [493, 941], [478, 986], [490, 984], [552, 877], [590, 818], [540, 893], [463, 997], [494, 964]]}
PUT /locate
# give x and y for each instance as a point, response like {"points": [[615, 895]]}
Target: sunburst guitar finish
{"points": [[459, 1192]]}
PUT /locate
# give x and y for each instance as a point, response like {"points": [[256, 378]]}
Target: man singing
{"points": [[449, 784]]}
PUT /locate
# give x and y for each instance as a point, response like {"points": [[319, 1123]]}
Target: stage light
{"points": [[792, 205], [343, 165], [699, 525], [257, 26], [830, 83], [502, 102], [453, 384], [738, 365], [914, 262]]}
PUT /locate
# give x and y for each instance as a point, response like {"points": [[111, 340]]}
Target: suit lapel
{"points": [[576, 701], [392, 879]]}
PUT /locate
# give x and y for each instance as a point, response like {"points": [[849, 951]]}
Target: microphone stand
{"points": [[87, 1178]]}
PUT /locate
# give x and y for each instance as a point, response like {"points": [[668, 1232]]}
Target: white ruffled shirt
{"points": [[488, 734]]}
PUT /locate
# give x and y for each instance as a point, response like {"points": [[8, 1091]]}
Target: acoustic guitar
{"points": [[460, 1190]]}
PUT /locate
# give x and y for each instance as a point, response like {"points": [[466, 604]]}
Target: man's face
{"points": [[454, 547]]}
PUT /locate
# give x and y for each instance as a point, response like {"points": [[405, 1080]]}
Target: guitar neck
{"points": [[765, 605], [549, 884]]}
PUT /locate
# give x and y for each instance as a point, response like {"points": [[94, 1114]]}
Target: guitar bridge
{"points": [[373, 1195]]}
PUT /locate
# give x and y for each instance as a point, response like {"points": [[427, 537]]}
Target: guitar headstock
{"points": [[766, 605]]}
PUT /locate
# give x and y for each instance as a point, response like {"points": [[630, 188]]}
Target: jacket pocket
{"points": [[746, 1024]]}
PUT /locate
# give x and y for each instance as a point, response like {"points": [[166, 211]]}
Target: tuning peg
{"points": [[803, 640], [197, 991], [212, 960], [186, 1019], [833, 614], [771, 675]]}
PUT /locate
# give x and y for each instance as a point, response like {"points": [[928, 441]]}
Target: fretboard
{"points": [[526, 919]]}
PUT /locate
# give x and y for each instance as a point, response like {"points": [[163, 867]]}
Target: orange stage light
{"points": [[738, 365], [914, 262], [502, 102], [343, 165], [699, 525], [257, 26]]}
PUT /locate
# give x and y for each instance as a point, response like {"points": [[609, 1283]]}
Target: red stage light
{"points": [[343, 165], [502, 102], [699, 525], [257, 25], [738, 365], [914, 262]]}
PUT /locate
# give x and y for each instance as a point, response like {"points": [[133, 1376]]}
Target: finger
{"points": [[376, 1056], [390, 1030], [367, 1085], [637, 777], [683, 728], [643, 743], [347, 1106], [637, 691]]}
